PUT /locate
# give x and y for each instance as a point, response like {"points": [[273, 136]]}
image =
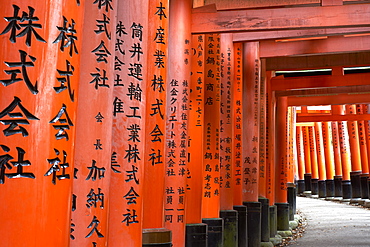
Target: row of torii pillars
{"points": [[333, 156], [119, 127]]}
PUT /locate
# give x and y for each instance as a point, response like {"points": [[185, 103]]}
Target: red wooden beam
{"points": [[282, 18], [242, 4], [270, 48], [330, 118], [305, 33], [309, 82], [330, 100], [318, 61]]}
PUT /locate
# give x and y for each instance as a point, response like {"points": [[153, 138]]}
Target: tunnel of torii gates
{"points": [[151, 123]]}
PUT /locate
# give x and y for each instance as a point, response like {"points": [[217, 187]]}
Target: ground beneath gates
{"points": [[333, 224]]}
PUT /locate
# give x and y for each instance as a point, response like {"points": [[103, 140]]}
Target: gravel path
{"points": [[333, 224]]}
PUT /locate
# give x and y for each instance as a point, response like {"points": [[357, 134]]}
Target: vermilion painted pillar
{"points": [[178, 79], [262, 130], [281, 164], [320, 159], [270, 141], [154, 192], [281, 150], [355, 153], [226, 135], [93, 156], [195, 131], [345, 152], [337, 160], [270, 153], [363, 151], [226, 122], [237, 140], [329, 158], [290, 158], [211, 152], [251, 77], [38, 90], [367, 132], [314, 162], [237, 145], [262, 183], [129, 114], [251, 86], [307, 158], [301, 160], [195, 230]]}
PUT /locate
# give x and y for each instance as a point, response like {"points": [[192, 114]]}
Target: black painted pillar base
{"points": [[338, 192], [157, 237], [265, 219], [330, 188], [253, 223], [291, 200], [215, 231], [282, 211], [314, 186], [356, 184], [346, 189], [230, 218], [364, 186], [322, 188], [242, 225], [307, 181], [273, 221], [196, 235], [301, 187]]}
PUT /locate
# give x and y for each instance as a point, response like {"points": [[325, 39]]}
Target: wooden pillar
{"points": [[363, 153], [329, 158], [281, 151], [178, 79], [320, 159], [290, 158], [336, 149], [226, 122], [39, 77], [251, 88], [226, 135], [270, 140], [307, 149], [367, 131], [356, 167], [337, 157], [129, 114], [90, 205], [237, 140], [211, 166], [362, 141], [262, 184], [154, 192], [307, 157], [314, 163], [211, 146], [195, 131], [300, 160], [353, 140], [345, 152], [251, 82]]}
